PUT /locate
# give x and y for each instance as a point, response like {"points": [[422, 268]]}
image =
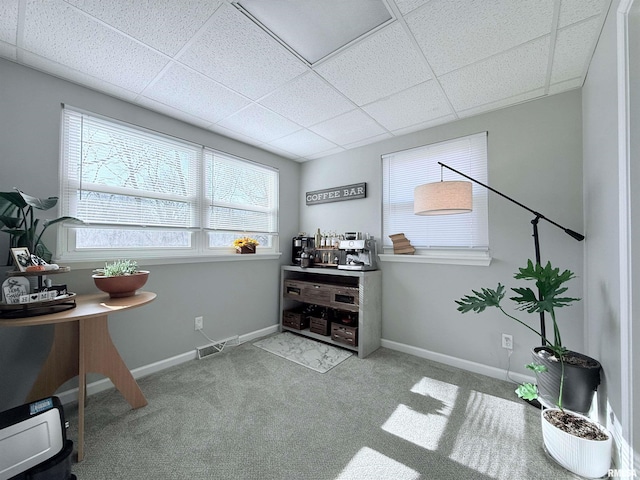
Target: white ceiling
{"points": [[205, 62]]}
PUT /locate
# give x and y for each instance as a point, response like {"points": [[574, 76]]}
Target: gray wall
{"points": [[634, 79], [602, 283], [535, 156], [29, 149], [605, 328]]}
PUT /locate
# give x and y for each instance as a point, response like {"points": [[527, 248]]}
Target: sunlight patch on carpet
{"points": [[372, 465], [317, 356]]}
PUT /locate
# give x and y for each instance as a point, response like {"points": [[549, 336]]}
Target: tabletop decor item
{"points": [[245, 245], [121, 278]]}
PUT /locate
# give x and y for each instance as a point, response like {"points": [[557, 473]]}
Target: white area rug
{"points": [[317, 356]]}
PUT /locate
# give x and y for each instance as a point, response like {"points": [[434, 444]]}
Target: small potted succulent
{"points": [[121, 278]]}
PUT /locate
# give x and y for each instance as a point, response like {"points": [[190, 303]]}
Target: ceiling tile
{"points": [[496, 79], [453, 34], [368, 140], [303, 143], [572, 11], [350, 127], [315, 29], [566, 85], [424, 125], [9, 21], [573, 48], [237, 53], [52, 68], [381, 65], [59, 32], [406, 6], [279, 151], [173, 112], [163, 24], [409, 107], [235, 135], [333, 151], [259, 123], [307, 100], [186, 90], [502, 103]]}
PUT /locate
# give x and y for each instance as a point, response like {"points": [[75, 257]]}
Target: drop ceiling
{"points": [[209, 63]]}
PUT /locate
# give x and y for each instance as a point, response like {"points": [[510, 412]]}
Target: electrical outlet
{"points": [[507, 341], [199, 324]]}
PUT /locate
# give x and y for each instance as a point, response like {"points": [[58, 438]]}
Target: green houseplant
{"points": [[121, 278], [18, 220], [574, 441], [550, 283]]}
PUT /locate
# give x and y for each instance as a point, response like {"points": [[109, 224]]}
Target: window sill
{"points": [[91, 264], [445, 257]]}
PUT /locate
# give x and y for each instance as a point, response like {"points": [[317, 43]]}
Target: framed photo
{"points": [[21, 257]]}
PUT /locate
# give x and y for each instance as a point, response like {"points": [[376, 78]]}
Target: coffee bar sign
{"points": [[337, 194]]}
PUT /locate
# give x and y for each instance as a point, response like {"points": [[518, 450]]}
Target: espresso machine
{"points": [[357, 253], [298, 245]]}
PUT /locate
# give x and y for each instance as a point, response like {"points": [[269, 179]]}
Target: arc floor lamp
{"points": [[453, 197]]}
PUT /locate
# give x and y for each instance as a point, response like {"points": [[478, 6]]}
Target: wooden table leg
{"points": [[82, 385], [62, 363], [103, 357], [79, 348]]}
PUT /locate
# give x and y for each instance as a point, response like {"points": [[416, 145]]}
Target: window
{"points": [[150, 195], [432, 235]]}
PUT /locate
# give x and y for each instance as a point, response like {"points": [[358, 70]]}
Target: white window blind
{"points": [[242, 196], [117, 175], [403, 171], [136, 188]]}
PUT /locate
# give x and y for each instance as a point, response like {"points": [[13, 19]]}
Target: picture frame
{"points": [[21, 257]]}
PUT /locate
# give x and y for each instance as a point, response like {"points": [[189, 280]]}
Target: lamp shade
{"points": [[442, 198]]}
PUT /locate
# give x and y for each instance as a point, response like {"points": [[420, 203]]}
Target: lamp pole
{"points": [[536, 240]]}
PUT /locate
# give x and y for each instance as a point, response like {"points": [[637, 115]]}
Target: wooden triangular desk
{"points": [[82, 344]]}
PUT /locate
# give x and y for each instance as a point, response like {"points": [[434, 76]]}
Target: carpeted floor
{"points": [[247, 414]]}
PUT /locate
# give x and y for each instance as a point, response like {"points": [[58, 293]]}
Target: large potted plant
{"points": [[25, 230], [565, 379], [121, 278]]}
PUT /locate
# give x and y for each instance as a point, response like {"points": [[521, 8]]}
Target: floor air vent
{"points": [[215, 347]]}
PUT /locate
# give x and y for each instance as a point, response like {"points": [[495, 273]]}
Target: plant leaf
{"points": [[478, 302], [549, 282], [39, 203], [528, 391], [11, 198], [536, 367]]}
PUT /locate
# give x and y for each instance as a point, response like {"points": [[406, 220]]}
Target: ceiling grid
{"points": [[207, 63]]}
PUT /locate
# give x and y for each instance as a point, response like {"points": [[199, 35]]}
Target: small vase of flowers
{"points": [[245, 245]]}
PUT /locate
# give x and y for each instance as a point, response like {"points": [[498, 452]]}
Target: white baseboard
{"points": [[470, 366], [69, 396]]}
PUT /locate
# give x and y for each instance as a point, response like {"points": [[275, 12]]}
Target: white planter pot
{"points": [[588, 458]]}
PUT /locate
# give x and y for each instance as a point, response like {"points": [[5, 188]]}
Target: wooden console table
{"points": [[82, 344]]}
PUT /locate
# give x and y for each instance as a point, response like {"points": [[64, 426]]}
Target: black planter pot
{"points": [[580, 381]]}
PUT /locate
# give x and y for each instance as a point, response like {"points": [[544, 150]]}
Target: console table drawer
{"points": [[345, 298], [293, 288], [344, 334]]}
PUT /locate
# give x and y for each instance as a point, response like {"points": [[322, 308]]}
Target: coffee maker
{"points": [[357, 253], [298, 245]]}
